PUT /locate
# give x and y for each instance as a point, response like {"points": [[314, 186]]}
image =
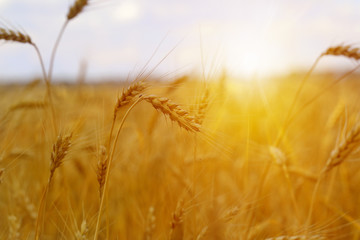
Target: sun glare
{"points": [[260, 57], [127, 11]]}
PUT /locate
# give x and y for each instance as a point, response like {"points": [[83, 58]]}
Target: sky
{"points": [[116, 38]]}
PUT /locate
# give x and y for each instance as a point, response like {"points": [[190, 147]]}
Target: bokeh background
{"points": [[117, 38]]}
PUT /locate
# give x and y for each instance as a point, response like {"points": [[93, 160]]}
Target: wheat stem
{"points": [[108, 167]]}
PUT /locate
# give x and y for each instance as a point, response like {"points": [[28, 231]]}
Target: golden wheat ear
{"points": [[102, 168], [341, 50], [14, 35], [60, 150], [76, 8], [202, 108], [346, 147], [1, 174], [129, 94], [174, 112]]}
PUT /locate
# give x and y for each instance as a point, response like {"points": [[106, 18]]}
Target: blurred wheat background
{"points": [[201, 155]]}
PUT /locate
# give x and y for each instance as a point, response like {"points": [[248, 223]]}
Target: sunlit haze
{"points": [[117, 38]]}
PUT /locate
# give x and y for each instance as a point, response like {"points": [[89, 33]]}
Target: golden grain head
{"points": [[2, 170], [202, 108], [128, 95], [76, 8], [59, 151], [346, 147], [102, 167], [174, 112], [278, 155], [343, 50], [14, 35]]}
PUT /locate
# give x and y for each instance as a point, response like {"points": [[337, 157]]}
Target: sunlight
{"points": [[255, 56], [127, 11]]}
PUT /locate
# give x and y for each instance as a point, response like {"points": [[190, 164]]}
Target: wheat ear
{"points": [[101, 168], [128, 95], [282, 160], [344, 149], [150, 224], [76, 8], [20, 37], [341, 50], [168, 108], [59, 151], [337, 156], [16, 36], [202, 108], [111, 156], [174, 112], [2, 170], [14, 227], [81, 233], [176, 224]]}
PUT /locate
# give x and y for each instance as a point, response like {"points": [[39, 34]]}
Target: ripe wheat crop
{"points": [[144, 160]]}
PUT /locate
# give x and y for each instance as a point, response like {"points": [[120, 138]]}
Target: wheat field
{"points": [[184, 158]]}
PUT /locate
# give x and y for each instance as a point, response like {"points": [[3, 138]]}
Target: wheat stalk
{"points": [[202, 233], [338, 155], [168, 108], [336, 114], [282, 160], [341, 50], [59, 151]]}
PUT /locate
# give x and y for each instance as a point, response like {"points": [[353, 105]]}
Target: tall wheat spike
{"points": [[174, 112], [76, 8], [1, 174], [176, 224], [150, 224], [60, 150], [102, 168], [14, 227], [345, 148], [13, 35], [202, 107], [343, 50], [128, 95]]}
